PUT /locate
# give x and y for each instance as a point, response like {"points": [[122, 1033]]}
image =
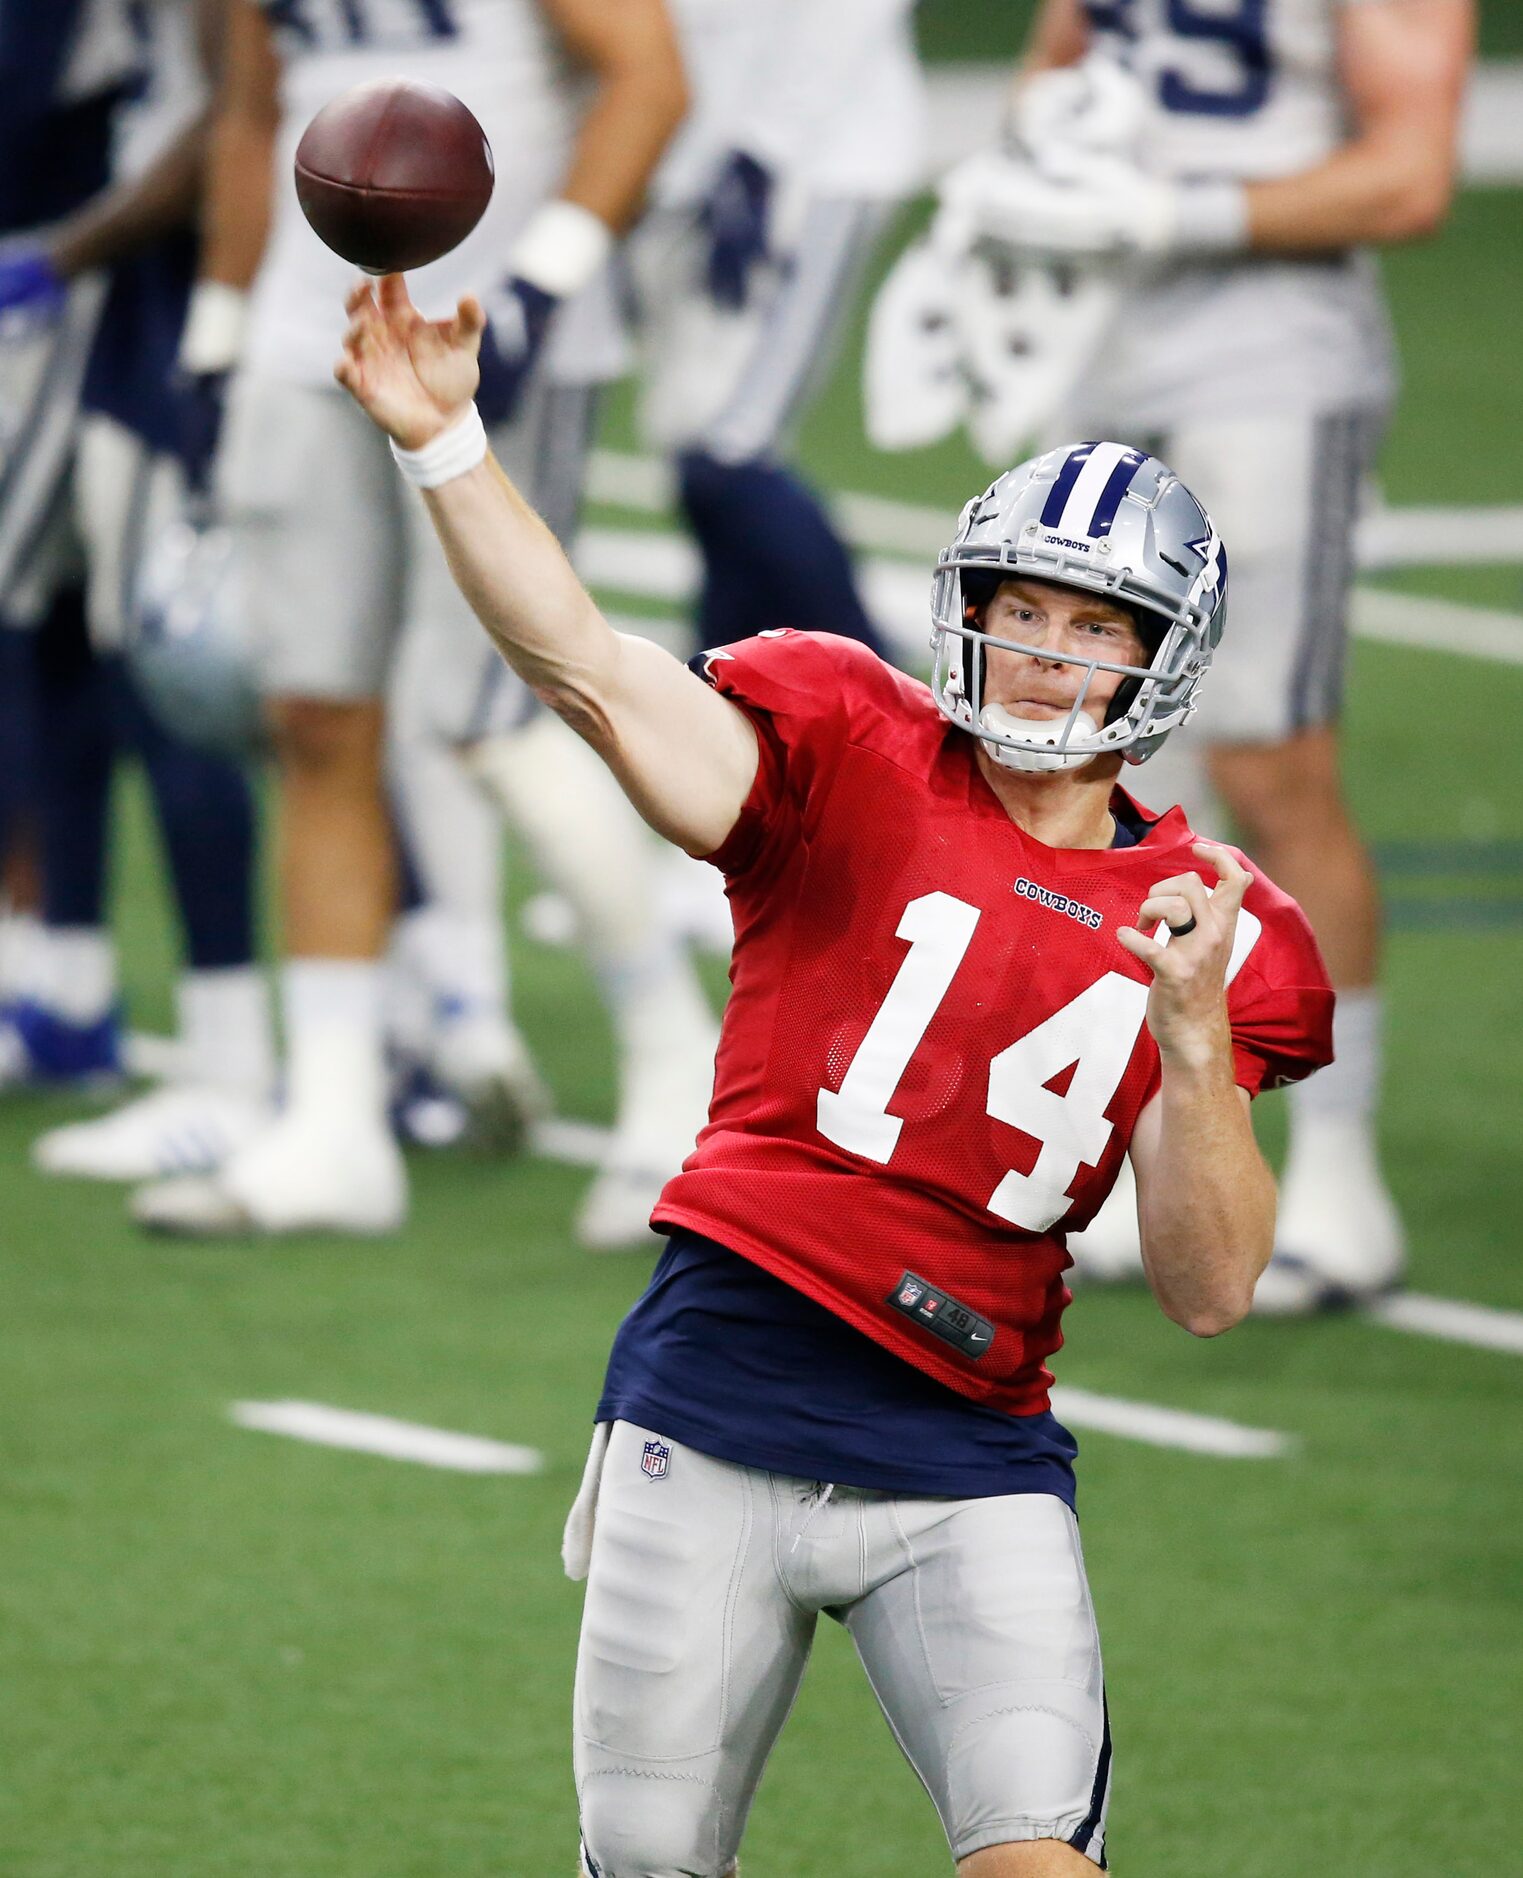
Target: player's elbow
{"points": [[1215, 1317], [1416, 205]]}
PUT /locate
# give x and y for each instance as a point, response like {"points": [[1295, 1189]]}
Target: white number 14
{"points": [[1094, 1034]]}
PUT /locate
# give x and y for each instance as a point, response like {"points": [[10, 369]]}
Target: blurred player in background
{"points": [[1277, 140], [806, 127], [127, 254], [349, 597], [63, 70], [946, 1029]]}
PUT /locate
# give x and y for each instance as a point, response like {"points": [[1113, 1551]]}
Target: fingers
{"points": [[1177, 901], [467, 326], [1141, 947], [1235, 879], [391, 291], [1173, 909]]}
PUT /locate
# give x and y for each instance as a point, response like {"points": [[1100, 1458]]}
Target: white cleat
{"points": [[1109, 1250], [486, 1063], [665, 1104], [1338, 1239], [614, 1215], [291, 1178], [184, 1129]]}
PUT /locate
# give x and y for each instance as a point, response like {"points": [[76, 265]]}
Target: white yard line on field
{"points": [[1412, 536], [661, 566], [1482, 1326], [1166, 1427], [380, 1434]]}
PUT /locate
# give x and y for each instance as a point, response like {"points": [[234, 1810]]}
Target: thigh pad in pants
{"points": [[1284, 492], [690, 1656], [978, 1635]]}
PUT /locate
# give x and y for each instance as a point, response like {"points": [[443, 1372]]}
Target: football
{"points": [[393, 174]]}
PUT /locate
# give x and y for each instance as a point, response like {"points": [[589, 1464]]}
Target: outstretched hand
{"points": [[1187, 1006], [413, 376]]}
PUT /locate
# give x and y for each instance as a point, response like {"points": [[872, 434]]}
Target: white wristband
{"points": [[214, 325], [1213, 218], [561, 249], [452, 453]]}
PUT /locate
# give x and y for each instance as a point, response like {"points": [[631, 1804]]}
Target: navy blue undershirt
{"points": [[723, 1357]]}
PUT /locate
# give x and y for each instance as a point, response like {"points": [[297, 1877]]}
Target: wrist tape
{"points": [[455, 451], [561, 249], [214, 326]]}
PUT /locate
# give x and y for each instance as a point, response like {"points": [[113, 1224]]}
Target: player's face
{"points": [[1063, 622]]}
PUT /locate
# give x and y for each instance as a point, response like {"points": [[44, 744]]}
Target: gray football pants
{"points": [[972, 1619]]}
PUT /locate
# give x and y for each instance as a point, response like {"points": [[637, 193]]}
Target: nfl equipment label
{"points": [[656, 1459], [942, 1315]]}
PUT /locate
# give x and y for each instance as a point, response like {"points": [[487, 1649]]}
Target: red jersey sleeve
{"points": [[805, 693], [1280, 1002]]}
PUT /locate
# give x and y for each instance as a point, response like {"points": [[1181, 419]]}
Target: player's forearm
{"points": [[1059, 36], [1206, 1207], [236, 210], [684, 756], [639, 100], [125, 220], [522, 588], [626, 128], [240, 168], [1375, 190]]}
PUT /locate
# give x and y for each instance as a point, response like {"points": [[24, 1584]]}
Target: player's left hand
{"points": [[1187, 1006], [32, 291], [518, 320], [1100, 207], [736, 219]]}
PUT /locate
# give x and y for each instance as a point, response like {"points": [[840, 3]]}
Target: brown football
{"points": [[393, 174]]}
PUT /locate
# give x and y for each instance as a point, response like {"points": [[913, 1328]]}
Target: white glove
{"points": [[1100, 207]]}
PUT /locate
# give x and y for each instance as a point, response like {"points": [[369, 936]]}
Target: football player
{"points": [[806, 128], [63, 71], [339, 568], [970, 975], [1280, 140], [124, 251]]}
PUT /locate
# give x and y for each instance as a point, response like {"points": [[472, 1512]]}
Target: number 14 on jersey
{"points": [[1094, 1034]]}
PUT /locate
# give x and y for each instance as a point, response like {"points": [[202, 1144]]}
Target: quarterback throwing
{"points": [[971, 973]]}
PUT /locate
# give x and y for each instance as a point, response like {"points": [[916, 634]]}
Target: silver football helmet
{"points": [[186, 644], [1108, 520]]}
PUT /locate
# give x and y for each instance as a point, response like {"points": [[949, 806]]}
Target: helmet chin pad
{"points": [[1037, 731]]}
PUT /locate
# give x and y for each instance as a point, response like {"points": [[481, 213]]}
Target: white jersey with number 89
{"points": [[1237, 88]]}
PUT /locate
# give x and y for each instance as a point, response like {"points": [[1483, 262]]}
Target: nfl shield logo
{"points": [[912, 1293], [655, 1459]]}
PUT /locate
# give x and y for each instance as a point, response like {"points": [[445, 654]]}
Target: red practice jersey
{"points": [[934, 1052]]}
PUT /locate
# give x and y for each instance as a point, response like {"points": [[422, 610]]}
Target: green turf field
{"points": [[223, 1654]]}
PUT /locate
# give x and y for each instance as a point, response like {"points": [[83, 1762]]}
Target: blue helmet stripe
{"points": [[1062, 489], [1117, 483]]}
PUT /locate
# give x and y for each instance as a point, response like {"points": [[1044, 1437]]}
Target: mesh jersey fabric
{"points": [[871, 861]]}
